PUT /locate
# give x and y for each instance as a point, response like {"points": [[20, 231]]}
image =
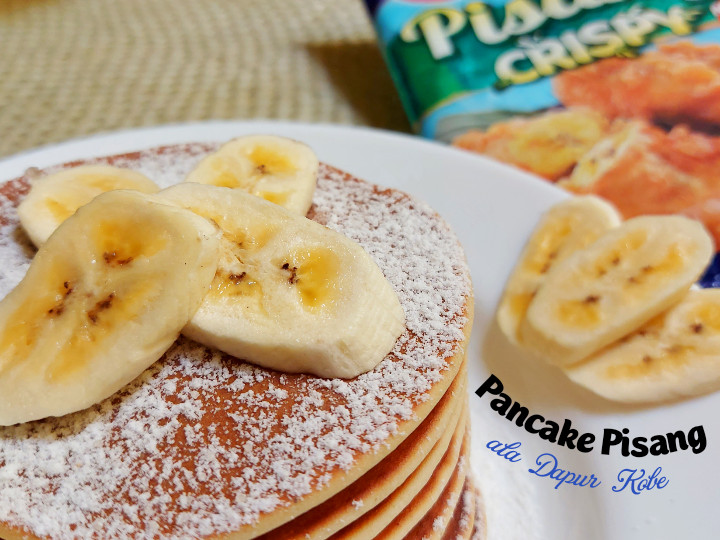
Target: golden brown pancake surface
{"points": [[203, 444]]}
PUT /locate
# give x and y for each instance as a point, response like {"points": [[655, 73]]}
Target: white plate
{"points": [[492, 209]]}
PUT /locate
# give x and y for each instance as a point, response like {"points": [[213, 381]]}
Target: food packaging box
{"points": [[619, 99]]}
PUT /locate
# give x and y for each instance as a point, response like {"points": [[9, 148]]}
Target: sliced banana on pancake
{"points": [[290, 294], [564, 229], [677, 354], [608, 290], [277, 169], [103, 299], [56, 197]]}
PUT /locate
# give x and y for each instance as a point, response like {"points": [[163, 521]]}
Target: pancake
{"points": [[439, 498], [411, 462], [465, 520], [204, 445], [407, 504]]}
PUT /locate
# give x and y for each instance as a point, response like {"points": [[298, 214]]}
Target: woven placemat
{"points": [[70, 68]]}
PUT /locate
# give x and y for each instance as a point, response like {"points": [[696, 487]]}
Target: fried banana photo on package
{"points": [[677, 83]]}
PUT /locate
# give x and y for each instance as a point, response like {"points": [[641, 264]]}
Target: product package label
{"points": [[619, 99]]}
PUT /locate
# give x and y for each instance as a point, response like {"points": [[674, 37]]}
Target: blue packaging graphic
{"points": [[615, 98]]}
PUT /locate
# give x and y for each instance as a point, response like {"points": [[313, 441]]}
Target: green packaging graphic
{"points": [[619, 99], [464, 56]]}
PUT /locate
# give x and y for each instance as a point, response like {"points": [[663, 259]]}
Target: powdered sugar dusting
{"points": [[203, 444], [15, 247]]}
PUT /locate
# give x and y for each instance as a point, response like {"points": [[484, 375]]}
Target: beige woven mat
{"points": [[70, 68]]}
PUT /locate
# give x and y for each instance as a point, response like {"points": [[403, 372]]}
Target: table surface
{"points": [[70, 68]]}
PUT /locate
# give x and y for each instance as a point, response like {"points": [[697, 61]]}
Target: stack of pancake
{"points": [[203, 445]]}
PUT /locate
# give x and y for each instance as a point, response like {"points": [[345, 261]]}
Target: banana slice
{"points": [[608, 290], [290, 294], [564, 229], [56, 197], [277, 169], [674, 355], [103, 299]]}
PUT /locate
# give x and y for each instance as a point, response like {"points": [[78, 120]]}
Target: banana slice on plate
{"points": [[608, 290], [56, 197], [564, 229], [290, 294], [674, 355], [104, 298], [277, 169]]}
